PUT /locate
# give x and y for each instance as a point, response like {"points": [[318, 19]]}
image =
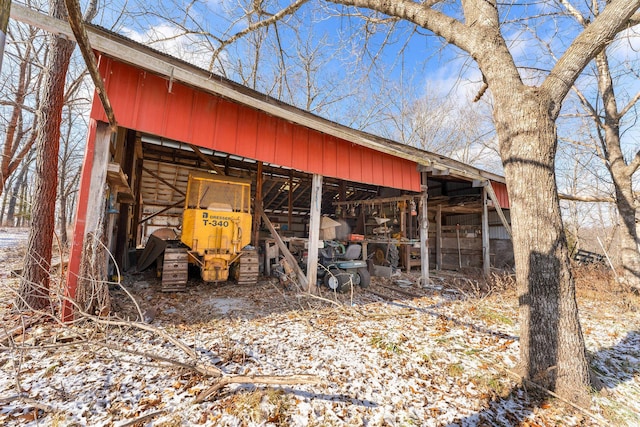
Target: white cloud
{"points": [[173, 41]]}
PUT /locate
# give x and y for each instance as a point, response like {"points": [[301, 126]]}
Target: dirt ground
{"points": [[394, 354]]}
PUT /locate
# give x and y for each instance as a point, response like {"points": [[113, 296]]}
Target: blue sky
{"points": [[411, 62]]}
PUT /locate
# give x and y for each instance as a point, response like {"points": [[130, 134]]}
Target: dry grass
{"points": [[597, 282]]}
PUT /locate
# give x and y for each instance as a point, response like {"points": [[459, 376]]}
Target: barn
{"points": [[175, 120]]}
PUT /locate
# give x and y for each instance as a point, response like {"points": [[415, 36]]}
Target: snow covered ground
{"points": [[438, 357]]}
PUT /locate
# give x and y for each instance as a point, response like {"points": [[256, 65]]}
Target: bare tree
{"points": [[34, 284], [608, 119], [18, 185], [23, 84], [70, 168], [552, 346]]}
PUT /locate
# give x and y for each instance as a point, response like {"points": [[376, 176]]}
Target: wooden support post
{"points": [[91, 201], [486, 249], [290, 201], [342, 197], [122, 249], [257, 209], [403, 219], [314, 231], [424, 232], [439, 237], [486, 262], [137, 210]]}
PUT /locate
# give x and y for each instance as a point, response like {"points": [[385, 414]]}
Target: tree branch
{"points": [[257, 25], [574, 12], [613, 19], [255, 379], [80, 33], [634, 164], [450, 29], [629, 105]]}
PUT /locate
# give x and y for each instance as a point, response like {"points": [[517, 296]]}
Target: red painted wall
{"points": [[142, 101]]}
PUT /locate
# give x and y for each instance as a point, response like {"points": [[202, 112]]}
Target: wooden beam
{"points": [[496, 204], [137, 209], [176, 204], [91, 202], [314, 230], [379, 200], [290, 201], [285, 251], [424, 231], [82, 38], [257, 207], [439, 237], [486, 253], [164, 181], [207, 160]]}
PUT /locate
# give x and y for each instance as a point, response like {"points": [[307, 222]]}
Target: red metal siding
{"points": [[501, 193], [227, 127], [315, 155], [300, 148], [142, 101], [267, 128], [178, 113], [203, 124], [330, 156], [247, 133], [284, 143]]}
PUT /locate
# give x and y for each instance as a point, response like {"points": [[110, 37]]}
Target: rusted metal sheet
{"points": [[155, 105]]}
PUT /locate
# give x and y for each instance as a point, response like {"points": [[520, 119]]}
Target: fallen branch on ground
{"points": [[255, 379]]}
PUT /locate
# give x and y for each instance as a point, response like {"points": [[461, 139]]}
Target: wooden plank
{"points": [[176, 204], [89, 221], [496, 204], [465, 243], [285, 251], [208, 161], [256, 211], [438, 242], [424, 232], [486, 265], [164, 181]]}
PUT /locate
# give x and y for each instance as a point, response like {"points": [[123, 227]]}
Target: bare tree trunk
{"points": [[34, 285], [621, 172], [13, 198], [551, 343], [24, 215], [629, 242]]}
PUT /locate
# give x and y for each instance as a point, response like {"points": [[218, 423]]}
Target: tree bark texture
{"points": [[629, 241], [552, 347], [621, 173], [34, 285]]}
